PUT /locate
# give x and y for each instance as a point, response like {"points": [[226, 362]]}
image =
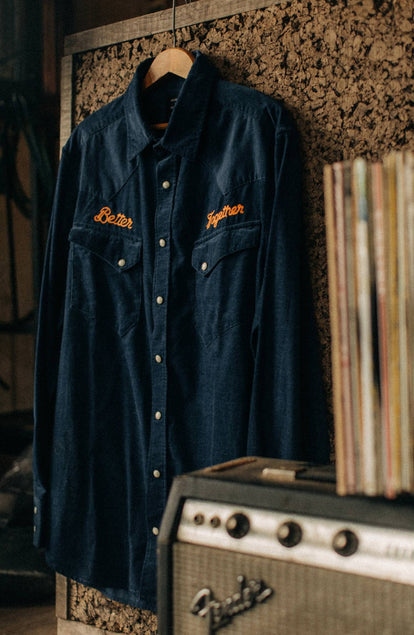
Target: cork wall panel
{"points": [[91, 607], [342, 67]]}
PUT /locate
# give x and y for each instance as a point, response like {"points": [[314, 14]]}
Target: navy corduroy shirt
{"points": [[175, 327]]}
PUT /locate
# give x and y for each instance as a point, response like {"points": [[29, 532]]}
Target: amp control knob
{"points": [[345, 542], [238, 525], [289, 534]]}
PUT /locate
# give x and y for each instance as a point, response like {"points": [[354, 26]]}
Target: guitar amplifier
{"points": [[261, 546]]}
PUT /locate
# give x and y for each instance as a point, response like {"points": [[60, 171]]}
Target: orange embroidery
{"points": [[105, 216], [214, 218]]}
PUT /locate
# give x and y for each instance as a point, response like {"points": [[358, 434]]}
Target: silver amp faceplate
{"points": [[351, 547]]}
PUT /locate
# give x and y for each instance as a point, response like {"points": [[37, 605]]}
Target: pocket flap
{"points": [[122, 253], [208, 252]]}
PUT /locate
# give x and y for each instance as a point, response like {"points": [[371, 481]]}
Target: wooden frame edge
{"points": [[62, 597], [66, 99], [160, 21], [69, 627]]}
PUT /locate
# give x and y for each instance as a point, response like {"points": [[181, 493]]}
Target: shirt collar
{"points": [[183, 133]]}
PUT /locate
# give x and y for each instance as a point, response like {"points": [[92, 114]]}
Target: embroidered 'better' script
{"points": [[106, 216]]}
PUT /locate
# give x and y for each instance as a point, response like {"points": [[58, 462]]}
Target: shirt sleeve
{"points": [[288, 401], [50, 321]]}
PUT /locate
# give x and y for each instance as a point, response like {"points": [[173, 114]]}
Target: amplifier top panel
{"points": [[259, 470], [294, 486]]}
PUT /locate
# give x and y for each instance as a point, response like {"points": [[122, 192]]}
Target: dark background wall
{"points": [[83, 15]]}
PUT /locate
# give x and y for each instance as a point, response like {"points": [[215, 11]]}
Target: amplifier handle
{"points": [[281, 474]]}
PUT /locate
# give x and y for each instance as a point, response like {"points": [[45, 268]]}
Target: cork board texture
{"points": [[344, 70]]}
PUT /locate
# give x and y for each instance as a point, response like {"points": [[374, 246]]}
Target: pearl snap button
{"points": [[162, 242], [155, 531], [158, 359], [204, 266], [158, 415], [166, 185], [156, 474], [121, 262], [160, 299]]}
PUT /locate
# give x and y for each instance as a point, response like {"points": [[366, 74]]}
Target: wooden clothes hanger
{"points": [[174, 60]]}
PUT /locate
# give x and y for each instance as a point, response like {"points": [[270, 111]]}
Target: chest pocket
{"points": [[106, 278], [225, 279]]}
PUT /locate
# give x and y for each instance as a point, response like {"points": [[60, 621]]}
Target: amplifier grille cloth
{"points": [[306, 600]]}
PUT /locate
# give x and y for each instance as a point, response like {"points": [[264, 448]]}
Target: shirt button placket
{"points": [[157, 489]]}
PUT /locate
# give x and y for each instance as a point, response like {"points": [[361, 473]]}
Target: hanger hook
{"points": [[173, 25]]}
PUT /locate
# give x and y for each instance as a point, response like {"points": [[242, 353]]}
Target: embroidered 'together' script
{"points": [[214, 218], [105, 216]]}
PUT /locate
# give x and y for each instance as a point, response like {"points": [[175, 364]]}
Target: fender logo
{"points": [[214, 218], [105, 216], [218, 613]]}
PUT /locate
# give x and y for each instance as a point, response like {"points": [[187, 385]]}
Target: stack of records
{"points": [[370, 238]]}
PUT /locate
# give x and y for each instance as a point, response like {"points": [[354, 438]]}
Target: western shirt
{"points": [[175, 327]]}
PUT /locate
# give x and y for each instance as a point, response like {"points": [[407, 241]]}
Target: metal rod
{"points": [[173, 25]]}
